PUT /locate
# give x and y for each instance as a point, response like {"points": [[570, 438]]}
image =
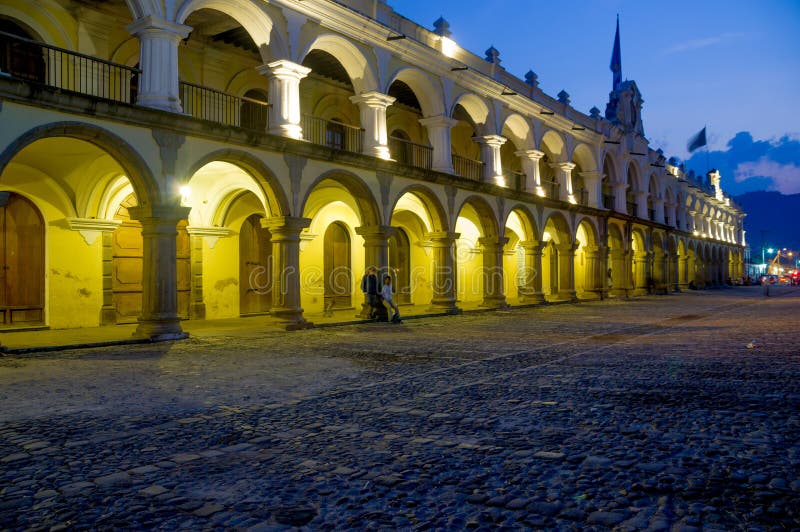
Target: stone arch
{"points": [[40, 24], [249, 15], [520, 132], [367, 206], [488, 218], [428, 92], [618, 279], [558, 253], [640, 253], [271, 191], [582, 155], [434, 208], [553, 143], [361, 71], [134, 165], [478, 111]]}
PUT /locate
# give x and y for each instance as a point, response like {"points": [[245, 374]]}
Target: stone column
{"points": [[593, 189], [591, 269], [376, 253], [444, 273], [641, 260], [158, 60], [566, 271], [531, 289], [530, 166], [564, 177], [159, 319], [683, 273], [621, 199], [285, 238], [658, 206], [490, 155], [439, 136], [493, 296], [602, 265], [284, 97], [373, 106], [641, 205]]}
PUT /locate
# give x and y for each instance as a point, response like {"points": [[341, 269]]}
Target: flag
{"points": [[697, 141], [616, 60]]}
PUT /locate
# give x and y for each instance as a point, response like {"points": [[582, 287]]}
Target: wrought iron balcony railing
{"points": [[467, 168], [223, 108], [332, 134], [410, 153]]}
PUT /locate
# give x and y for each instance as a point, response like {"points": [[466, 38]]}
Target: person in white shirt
{"points": [[388, 302]]}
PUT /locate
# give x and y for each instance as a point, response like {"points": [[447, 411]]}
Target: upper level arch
{"points": [[361, 71], [428, 92], [477, 111]]}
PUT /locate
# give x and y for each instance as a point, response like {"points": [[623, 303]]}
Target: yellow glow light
{"points": [[449, 47], [186, 194]]}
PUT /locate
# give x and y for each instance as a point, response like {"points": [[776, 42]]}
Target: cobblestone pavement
{"points": [[659, 413]]}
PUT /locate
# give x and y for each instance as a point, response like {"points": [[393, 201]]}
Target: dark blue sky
{"points": [[731, 65]]}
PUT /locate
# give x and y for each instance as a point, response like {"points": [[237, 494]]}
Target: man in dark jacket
{"points": [[369, 285]]}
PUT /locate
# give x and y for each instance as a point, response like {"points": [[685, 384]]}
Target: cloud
{"points": [[785, 177], [747, 164], [696, 44]]}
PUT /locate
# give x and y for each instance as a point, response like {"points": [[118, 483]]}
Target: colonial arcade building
{"points": [[203, 159]]}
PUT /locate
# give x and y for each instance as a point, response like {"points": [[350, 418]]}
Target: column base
{"points": [[495, 302], [539, 191], [534, 298], [163, 103], [567, 295], [446, 306], [292, 318], [292, 131], [160, 330], [444, 169], [366, 311], [381, 152]]}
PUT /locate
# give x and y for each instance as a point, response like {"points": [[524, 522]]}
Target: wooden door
{"points": [[255, 267], [338, 278], [400, 266], [21, 261], [127, 260]]}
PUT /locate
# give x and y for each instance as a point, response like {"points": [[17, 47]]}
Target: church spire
{"points": [[616, 60]]}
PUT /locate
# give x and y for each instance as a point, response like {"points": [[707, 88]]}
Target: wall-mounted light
{"points": [[395, 37], [508, 92], [459, 68], [186, 194], [449, 46]]}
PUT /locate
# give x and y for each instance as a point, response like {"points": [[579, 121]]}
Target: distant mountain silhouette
{"points": [[776, 215]]}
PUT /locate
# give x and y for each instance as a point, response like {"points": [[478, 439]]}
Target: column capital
{"points": [[591, 174], [491, 140], [375, 232], [570, 247], [155, 25], [564, 166], [533, 155], [491, 241], [438, 121], [285, 227], [373, 99], [531, 246], [284, 69], [442, 236], [159, 213]]}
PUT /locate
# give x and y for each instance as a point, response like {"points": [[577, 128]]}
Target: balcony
{"points": [[551, 188], [65, 70], [631, 206], [467, 168], [333, 134], [216, 106], [514, 180], [407, 152], [608, 201]]}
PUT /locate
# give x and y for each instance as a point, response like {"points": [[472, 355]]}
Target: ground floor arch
{"points": [[558, 259], [588, 262]]}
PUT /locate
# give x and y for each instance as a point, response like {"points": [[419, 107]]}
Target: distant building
{"points": [[162, 161]]}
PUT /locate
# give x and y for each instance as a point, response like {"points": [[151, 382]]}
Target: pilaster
{"points": [[444, 274], [284, 97], [493, 296], [533, 176]]}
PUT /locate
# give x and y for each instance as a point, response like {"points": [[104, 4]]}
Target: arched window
{"points": [[19, 57], [253, 113], [336, 265], [21, 261], [400, 265]]}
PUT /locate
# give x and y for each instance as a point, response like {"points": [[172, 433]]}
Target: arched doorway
{"points": [[400, 265], [21, 261], [337, 275], [255, 267], [126, 265]]}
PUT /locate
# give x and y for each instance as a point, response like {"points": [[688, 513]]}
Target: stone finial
{"points": [[660, 151], [673, 161], [442, 27], [532, 79], [563, 97], [493, 55], [594, 112]]}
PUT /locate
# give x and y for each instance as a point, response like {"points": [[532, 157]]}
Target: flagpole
{"points": [[708, 159]]}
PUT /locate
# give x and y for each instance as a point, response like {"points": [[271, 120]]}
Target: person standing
{"points": [[388, 302], [369, 285]]}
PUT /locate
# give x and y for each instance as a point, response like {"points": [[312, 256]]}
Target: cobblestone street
{"points": [[657, 413]]}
